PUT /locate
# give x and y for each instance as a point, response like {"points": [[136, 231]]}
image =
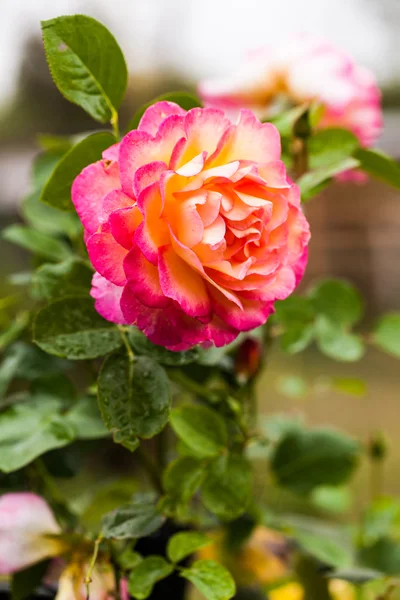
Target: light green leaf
{"points": [[286, 121], [42, 167], [310, 183], [380, 519], [71, 328], [183, 99], [337, 343], [84, 418], [29, 429], [330, 146], [134, 397], [129, 559], [227, 487], [142, 345], [332, 499], [86, 63], [379, 165], [211, 579], [202, 429], [325, 549], [138, 519], [305, 459], [337, 300], [70, 278], [183, 477], [57, 191], [37, 242], [387, 334], [143, 577], [49, 220], [355, 575], [293, 386], [185, 543]]}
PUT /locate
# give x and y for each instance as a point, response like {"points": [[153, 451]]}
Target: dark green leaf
{"points": [[37, 242], [298, 309], [57, 191], [337, 300], [25, 582], [211, 579], [330, 146], [379, 165], [200, 428], [382, 556], [387, 334], [184, 99], [71, 328], [183, 477], [143, 577], [70, 278], [227, 487], [57, 385], [29, 429], [303, 459], [185, 543], [355, 575], [141, 345], [138, 519], [86, 63], [85, 420], [297, 338], [134, 397], [314, 179], [337, 343]]}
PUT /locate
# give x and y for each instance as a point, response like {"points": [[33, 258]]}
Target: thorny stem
{"points": [[88, 577]]}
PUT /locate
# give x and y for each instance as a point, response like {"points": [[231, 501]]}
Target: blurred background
{"points": [[169, 45]]}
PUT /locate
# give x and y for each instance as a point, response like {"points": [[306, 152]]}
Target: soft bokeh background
{"points": [[169, 45]]}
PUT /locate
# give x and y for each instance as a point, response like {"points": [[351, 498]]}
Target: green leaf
{"points": [[138, 519], [337, 300], [143, 577], [183, 477], [70, 278], [202, 429], [305, 459], [293, 386], [42, 167], [37, 242], [355, 575], [379, 165], [185, 543], [332, 499], [286, 121], [349, 385], [227, 487], [129, 559], [383, 556], [49, 220], [84, 418], [142, 345], [86, 63], [211, 579], [380, 519], [297, 338], [57, 191], [184, 99], [298, 309], [310, 183], [325, 549], [25, 582], [337, 343], [330, 146], [108, 497], [29, 429], [134, 397], [387, 334], [71, 328]]}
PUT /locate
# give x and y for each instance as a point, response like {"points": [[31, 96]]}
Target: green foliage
{"points": [[383, 556], [379, 165], [336, 342], [304, 459], [86, 63], [286, 121], [138, 519], [183, 477], [146, 574], [379, 520], [37, 242], [183, 544], [71, 277], [296, 314], [134, 397], [31, 428], [141, 345], [85, 420], [328, 551], [71, 328], [338, 301], [387, 334], [330, 147], [25, 582], [227, 487], [310, 182], [184, 99], [57, 190], [49, 220], [202, 429], [355, 575], [211, 579]]}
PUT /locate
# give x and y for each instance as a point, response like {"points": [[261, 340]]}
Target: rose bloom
{"points": [[301, 70], [192, 226]]}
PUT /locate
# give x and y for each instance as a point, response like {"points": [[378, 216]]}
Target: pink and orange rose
{"points": [[300, 70], [192, 225]]}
